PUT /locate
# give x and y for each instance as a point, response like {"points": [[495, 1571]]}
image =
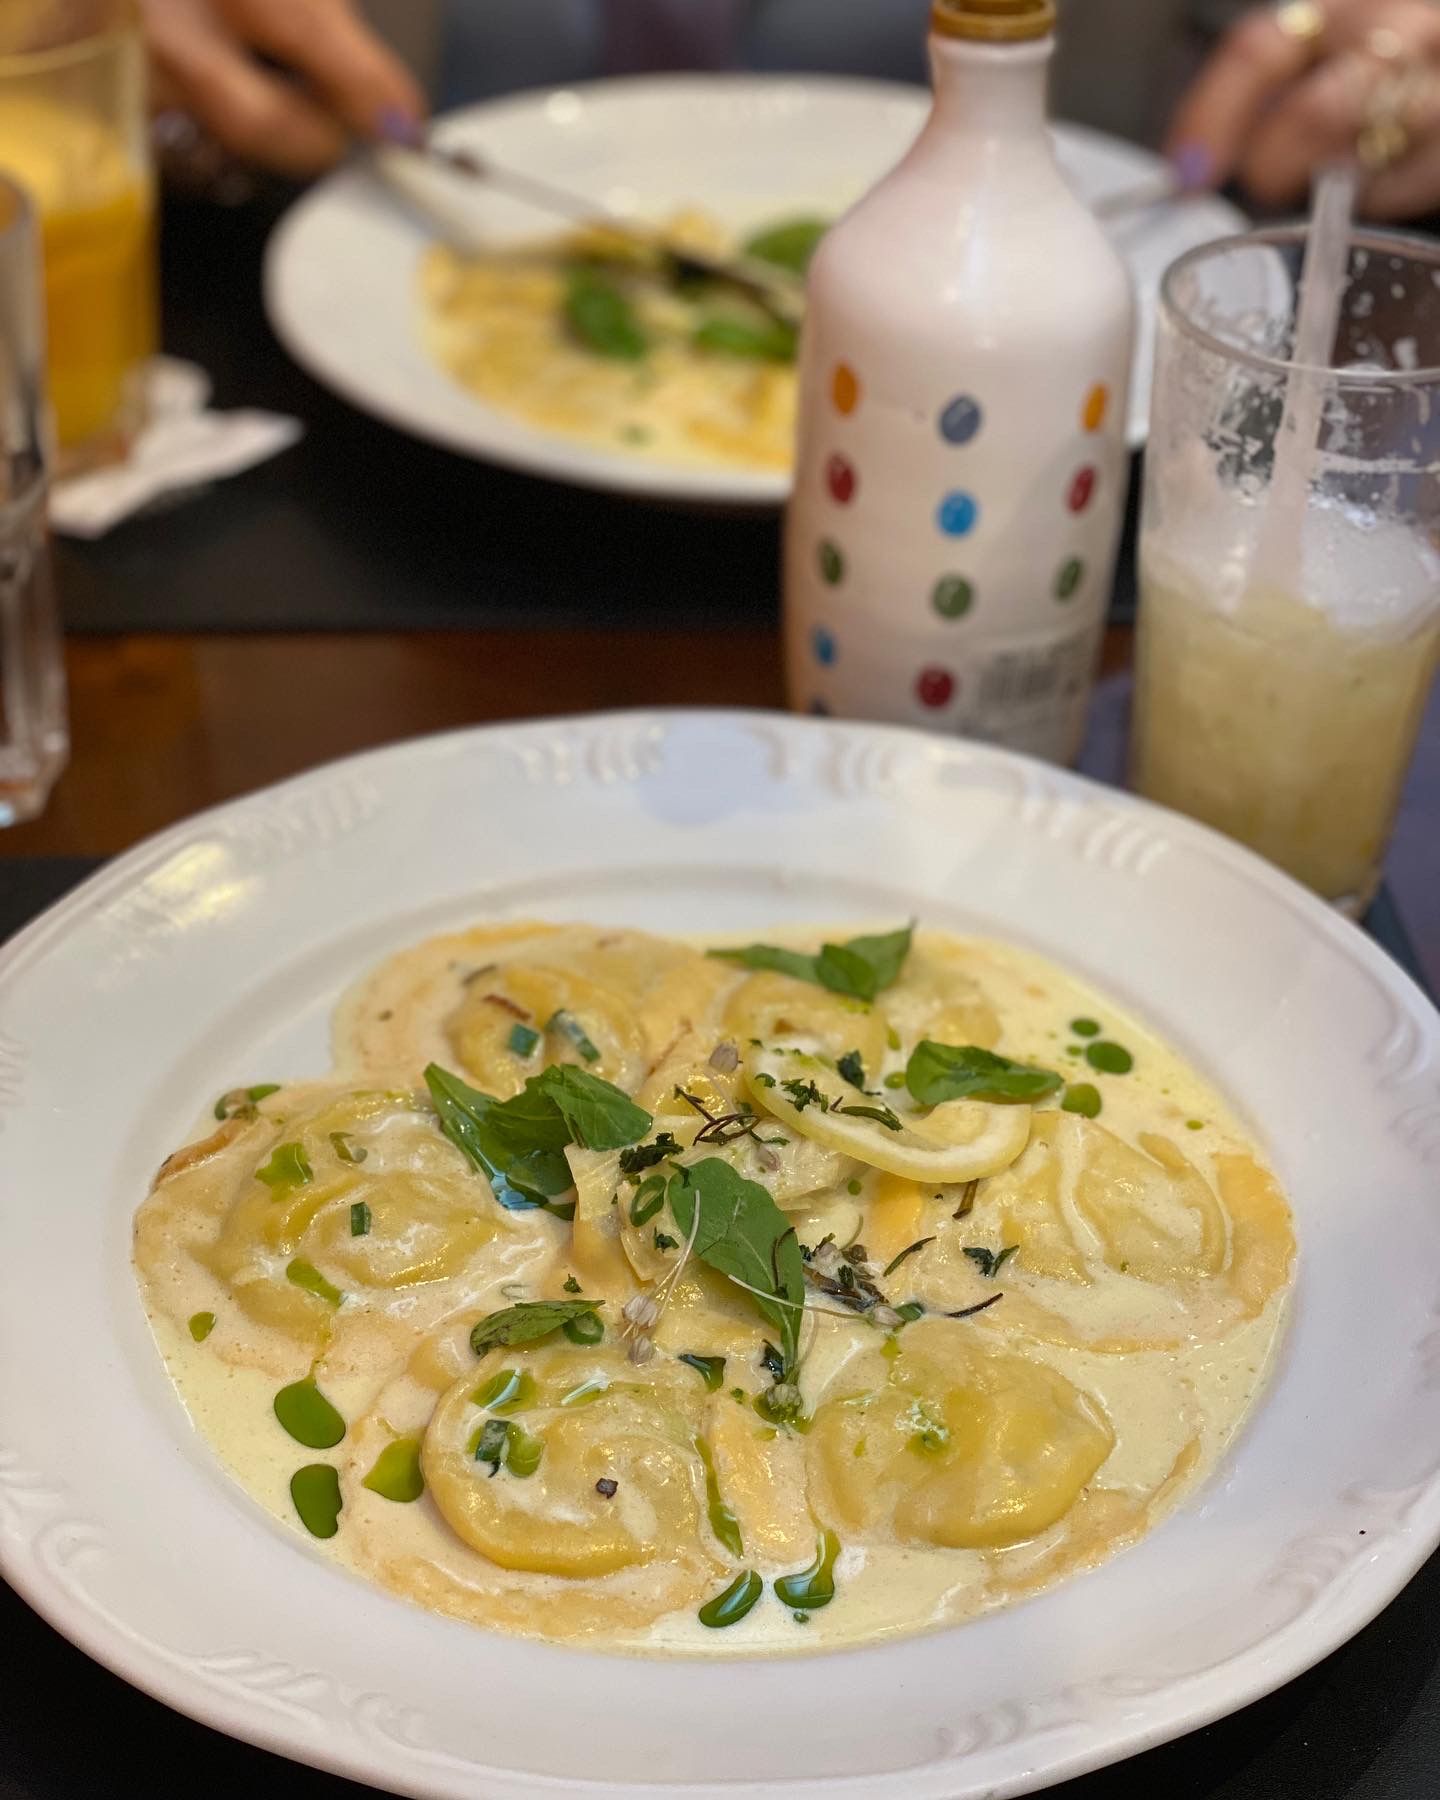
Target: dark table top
{"points": [[360, 530]]}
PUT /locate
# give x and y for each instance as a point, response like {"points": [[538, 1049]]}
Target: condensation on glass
{"points": [[33, 739]]}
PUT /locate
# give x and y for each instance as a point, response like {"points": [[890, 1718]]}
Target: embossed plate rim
{"points": [[304, 1698]]}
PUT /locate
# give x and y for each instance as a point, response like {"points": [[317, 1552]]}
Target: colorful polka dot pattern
{"points": [[959, 422], [952, 596]]}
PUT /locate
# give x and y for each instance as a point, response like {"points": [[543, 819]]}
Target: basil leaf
{"points": [[884, 953], [494, 1135], [600, 317], [858, 968], [789, 244], [596, 1113], [770, 956], [528, 1322], [937, 1072], [765, 340], [845, 971], [742, 1232]]}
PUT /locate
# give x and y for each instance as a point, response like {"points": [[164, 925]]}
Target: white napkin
{"points": [[183, 446]]}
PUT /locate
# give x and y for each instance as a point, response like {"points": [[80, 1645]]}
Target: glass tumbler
{"points": [[33, 740], [74, 132], [1287, 644]]}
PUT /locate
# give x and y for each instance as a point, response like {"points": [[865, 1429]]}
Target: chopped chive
{"points": [[306, 1275], [201, 1325], [359, 1219], [346, 1148], [569, 1026], [288, 1167], [523, 1039], [237, 1099]]}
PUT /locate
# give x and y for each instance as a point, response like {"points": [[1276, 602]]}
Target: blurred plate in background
{"points": [[341, 273]]}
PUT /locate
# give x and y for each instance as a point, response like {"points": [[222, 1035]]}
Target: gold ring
{"points": [[1303, 22]]}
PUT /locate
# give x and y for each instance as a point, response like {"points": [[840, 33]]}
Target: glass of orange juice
{"points": [[74, 134]]}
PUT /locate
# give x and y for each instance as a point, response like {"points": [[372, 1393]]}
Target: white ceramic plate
{"points": [[216, 951], [341, 269]]}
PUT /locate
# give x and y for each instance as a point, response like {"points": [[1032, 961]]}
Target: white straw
{"points": [[1322, 290]]}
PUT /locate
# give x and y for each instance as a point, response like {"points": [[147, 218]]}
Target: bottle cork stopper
{"points": [[993, 21]]}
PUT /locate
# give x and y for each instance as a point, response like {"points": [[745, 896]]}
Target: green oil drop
{"points": [[396, 1474], [729, 1607], [308, 1416], [315, 1490], [814, 1586]]}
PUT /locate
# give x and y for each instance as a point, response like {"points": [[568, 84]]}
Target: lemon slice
{"points": [[961, 1140]]}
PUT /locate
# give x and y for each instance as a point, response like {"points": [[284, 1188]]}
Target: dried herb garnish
{"points": [[640, 1157], [990, 1262], [967, 1312], [572, 1286], [851, 1067], [505, 1003], [606, 1488], [967, 1198], [805, 1093], [664, 1241], [909, 1250], [881, 1114]]}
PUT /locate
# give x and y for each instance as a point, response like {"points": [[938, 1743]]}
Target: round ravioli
{"points": [[329, 1220], [1119, 1247], [570, 1461], [954, 1444]]}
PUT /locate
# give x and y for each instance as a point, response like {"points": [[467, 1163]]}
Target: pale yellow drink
{"points": [[1289, 722], [94, 197]]}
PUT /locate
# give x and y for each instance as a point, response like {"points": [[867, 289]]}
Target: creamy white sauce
{"points": [[1173, 1411]]}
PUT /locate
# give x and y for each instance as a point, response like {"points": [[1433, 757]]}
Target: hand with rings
{"points": [[1298, 85]]}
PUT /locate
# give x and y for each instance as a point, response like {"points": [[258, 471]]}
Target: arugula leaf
{"points": [[743, 1233], [600, 317], [789, 244], [598, 1115], [528, 1322], [937, 1072], [858, 968]]}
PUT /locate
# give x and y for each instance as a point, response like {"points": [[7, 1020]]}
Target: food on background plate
{"points": [[595, 339], [720, 1300]]}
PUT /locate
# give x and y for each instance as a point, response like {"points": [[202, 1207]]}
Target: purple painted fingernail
{"points": [[396, 126], [1194, 166]]}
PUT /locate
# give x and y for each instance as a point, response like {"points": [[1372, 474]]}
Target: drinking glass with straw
{"points": [[1290, 539]]}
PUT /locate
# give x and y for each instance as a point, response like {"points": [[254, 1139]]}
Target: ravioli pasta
{"points": [[673, 1300]]}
